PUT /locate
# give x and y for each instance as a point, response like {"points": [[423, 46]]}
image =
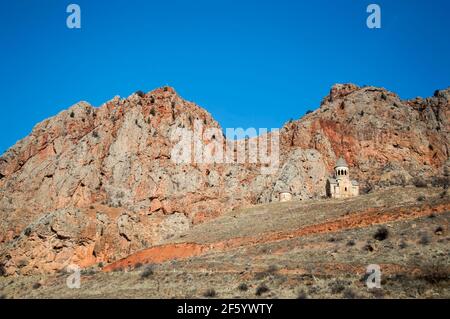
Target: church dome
{"points": [[341, 162]]}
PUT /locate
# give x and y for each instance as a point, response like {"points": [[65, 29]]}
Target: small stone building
{"points": [[285, 196], [340, 185]]}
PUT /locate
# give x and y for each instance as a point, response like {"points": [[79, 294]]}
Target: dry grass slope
{"points": [[317, 249]]}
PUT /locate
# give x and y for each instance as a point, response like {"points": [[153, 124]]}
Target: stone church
{"points": [[340, 185]]}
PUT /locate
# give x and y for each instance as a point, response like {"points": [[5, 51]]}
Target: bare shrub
{"points": [[424, 239], [436, 273], [261, 289], [351, 243], [439, 230], [337, 286], [140, 93], [2, 270], [36, 285], [210, 293], [381, 234], [402, 245], [349, 293], [148, 271], [302, 295], [243, 287], [138, 265], [419, 182]]}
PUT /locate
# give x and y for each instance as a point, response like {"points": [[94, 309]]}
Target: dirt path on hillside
{"points": [[370, 217]]}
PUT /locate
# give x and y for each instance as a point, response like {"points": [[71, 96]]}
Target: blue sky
{"points": [[249, 63]]}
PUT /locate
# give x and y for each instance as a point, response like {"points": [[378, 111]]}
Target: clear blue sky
{"points": [[249, 63]]}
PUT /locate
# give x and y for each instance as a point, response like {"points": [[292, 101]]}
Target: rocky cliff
{"points": [[93, 185]]}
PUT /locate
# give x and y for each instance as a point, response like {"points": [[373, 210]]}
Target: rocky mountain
{"points": [[93, 185]]}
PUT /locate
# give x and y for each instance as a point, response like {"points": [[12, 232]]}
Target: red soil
{"points": [[158, 254]]}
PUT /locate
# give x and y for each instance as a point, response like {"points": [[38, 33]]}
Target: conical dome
{"points": [[341, 162]]}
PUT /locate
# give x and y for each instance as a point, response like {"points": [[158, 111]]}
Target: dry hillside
{"points": [[315, 249]]}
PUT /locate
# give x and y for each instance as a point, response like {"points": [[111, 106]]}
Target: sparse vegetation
{"points": [[72, 114], [421, 198], [439, 230], [349, 293], [210, 293], [261, 289], [36, 285], [152, 111], [138, 265], [272, 269], [140, 93], [88, 272], [381, 234], [337, 286], [436, 273], [148, 272], [303, 257], [419, 182], [367, 188], [243, 287], [424, 239], [2, 270], [377, 293], [302, 295], [95, 134], [402, 245], [27, 231], [440, 182], [262, 274]]}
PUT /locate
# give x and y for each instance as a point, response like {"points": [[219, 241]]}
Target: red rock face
{"points": [[111, 168]]}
